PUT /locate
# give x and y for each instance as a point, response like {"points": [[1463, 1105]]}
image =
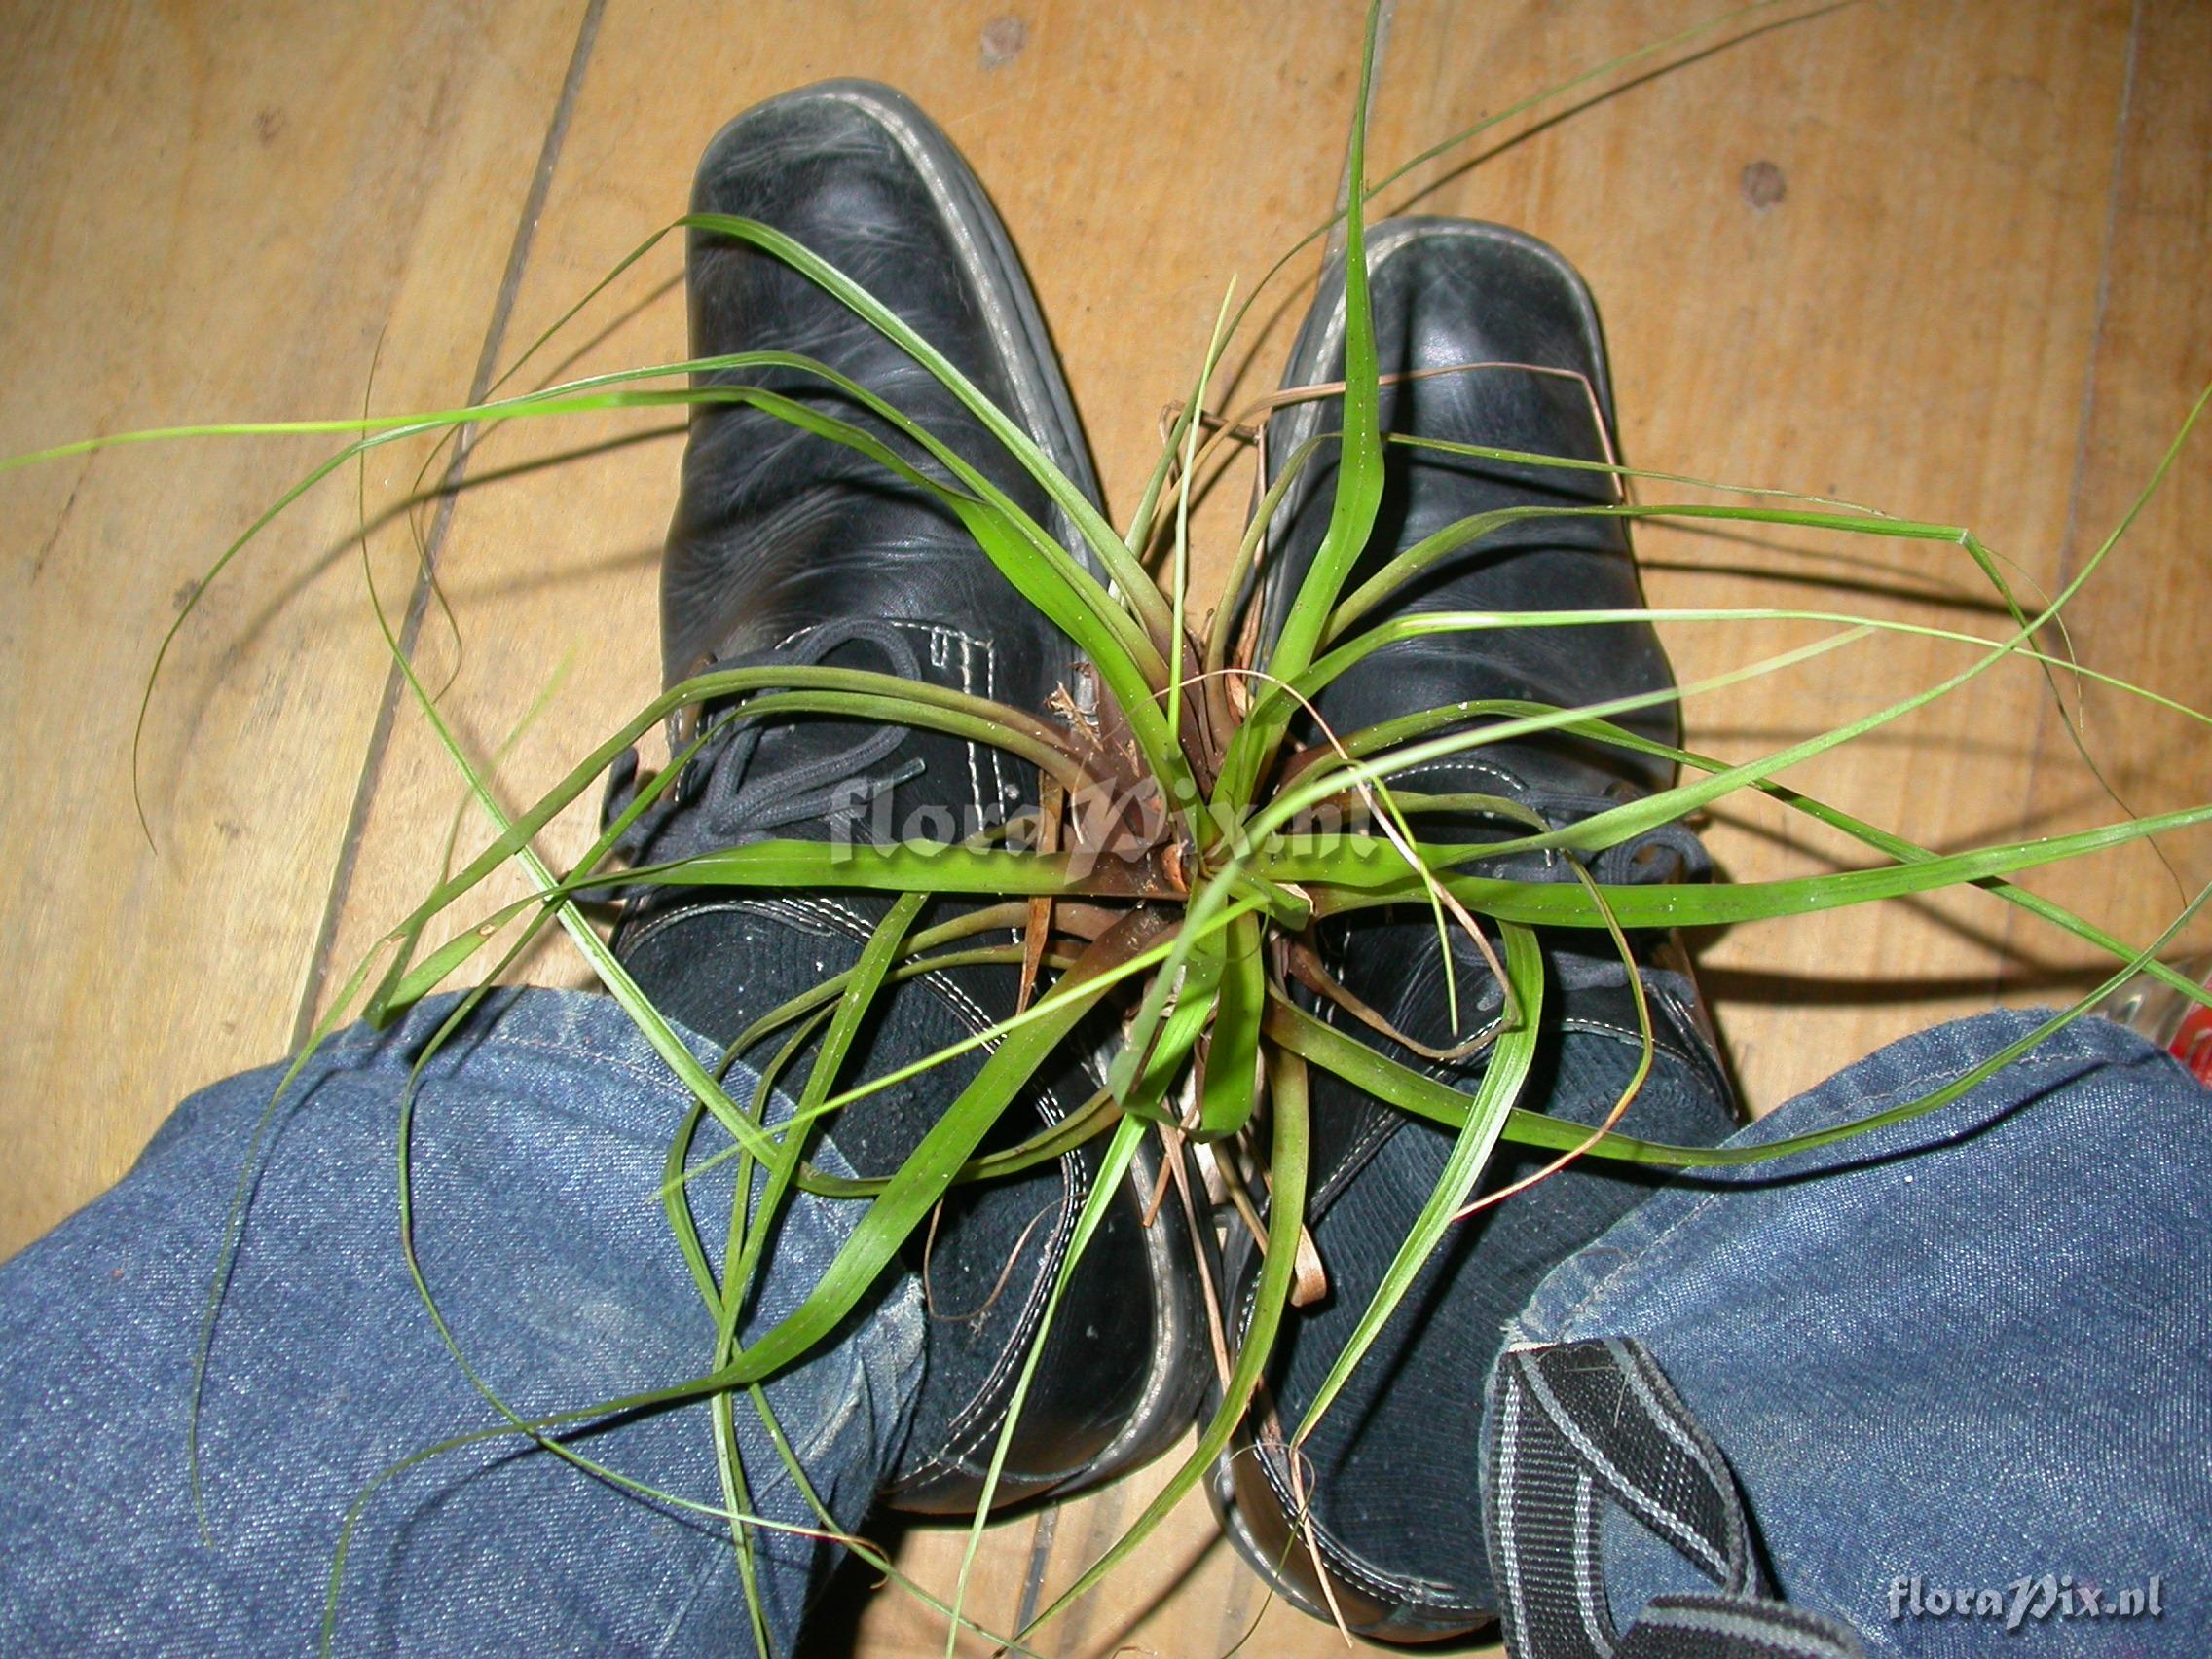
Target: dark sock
{"points": [[1394, 1462]]}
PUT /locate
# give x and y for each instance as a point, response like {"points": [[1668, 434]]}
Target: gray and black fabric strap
{"points": [[1576, 1427]]}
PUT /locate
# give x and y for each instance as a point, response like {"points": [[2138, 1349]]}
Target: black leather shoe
{"points": [[787, 549], [1391, 1474]]}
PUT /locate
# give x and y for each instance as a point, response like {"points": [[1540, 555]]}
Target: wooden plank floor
{"points": [[1944, 258], [211, 218]]}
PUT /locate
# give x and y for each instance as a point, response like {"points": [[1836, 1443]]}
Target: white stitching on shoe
{"points": [[942, 193]]}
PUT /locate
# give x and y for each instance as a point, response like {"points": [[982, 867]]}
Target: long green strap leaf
{"points": [[1369, 872], [919, 1183], [1232, 1053], [1415, 1091], [1105, 1190], [1359, 470], [1858, 828]]}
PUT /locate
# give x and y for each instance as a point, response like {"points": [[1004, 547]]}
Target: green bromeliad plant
{"points": [[1186, 848]]}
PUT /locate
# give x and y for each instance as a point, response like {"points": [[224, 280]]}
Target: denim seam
{"points": [[810, 1450], [710, 1569]]}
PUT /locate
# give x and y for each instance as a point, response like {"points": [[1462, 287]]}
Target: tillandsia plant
{"points": [[1196, 828]]}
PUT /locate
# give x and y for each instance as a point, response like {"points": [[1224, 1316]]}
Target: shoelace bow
{"points": [[1666, 852], [719, 802]]}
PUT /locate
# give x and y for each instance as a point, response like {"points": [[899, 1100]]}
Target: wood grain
{"points": [[2144, 614], [1942, 258], [210, 219]]}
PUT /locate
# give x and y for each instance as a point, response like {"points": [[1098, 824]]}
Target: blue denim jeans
{"points": [[539, 1139], [1961, 1367], [1981, 1365]]}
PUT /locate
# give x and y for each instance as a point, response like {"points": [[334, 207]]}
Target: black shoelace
{"points": [[723, 800]]}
